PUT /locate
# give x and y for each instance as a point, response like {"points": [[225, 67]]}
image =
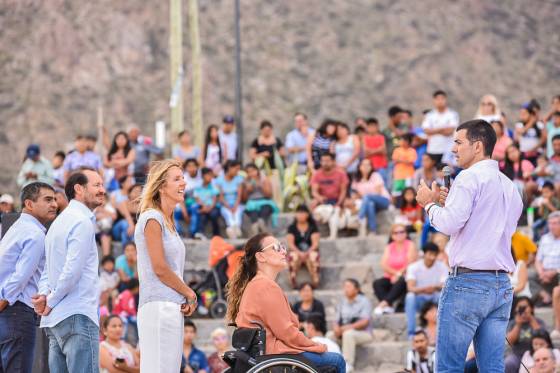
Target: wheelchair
{"points": [[249, 355]]}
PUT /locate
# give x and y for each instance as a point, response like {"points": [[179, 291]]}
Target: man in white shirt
{"points": [[228, 137], [296, 140], [480, 214], [424, 281], [439, 125]]}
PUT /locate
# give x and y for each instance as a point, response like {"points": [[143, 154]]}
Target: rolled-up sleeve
{"points": [[458, 207]]}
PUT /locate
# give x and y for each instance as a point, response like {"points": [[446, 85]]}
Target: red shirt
{"points": [[373, 142], [125, 305], [330, 184]]}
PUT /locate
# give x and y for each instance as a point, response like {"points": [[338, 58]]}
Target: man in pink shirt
{"points": [[480, 214]]}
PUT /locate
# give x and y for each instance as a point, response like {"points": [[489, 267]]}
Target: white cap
{"points": [[6, 198]]}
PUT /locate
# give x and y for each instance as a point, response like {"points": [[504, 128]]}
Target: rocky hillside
{"points": [[61, 59]]}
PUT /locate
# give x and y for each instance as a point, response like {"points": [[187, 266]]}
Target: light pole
{"points": [[176, 65], [238, 92]]}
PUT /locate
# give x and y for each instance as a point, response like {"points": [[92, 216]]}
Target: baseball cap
{"points": [[229, 119], [32, 151], [6, 198]]}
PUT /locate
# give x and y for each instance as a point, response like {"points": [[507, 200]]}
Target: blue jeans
{"points": [[372, 203], [473, 307], [74, 346], [17, 338], [120, 232], [192, 210], [414, 303], [331, 359], [213, 216]]}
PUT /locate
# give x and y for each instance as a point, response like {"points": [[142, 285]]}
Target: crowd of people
{"points": [[350, 174]]}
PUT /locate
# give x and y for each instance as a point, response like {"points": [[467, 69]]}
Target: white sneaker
{"points": [[349, 368], [238, 232], [362, 232], [200, 236], [388, 310], [378, 311], [230, 232]]}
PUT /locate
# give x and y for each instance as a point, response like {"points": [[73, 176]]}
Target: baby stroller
{"points": [[210, 289]]}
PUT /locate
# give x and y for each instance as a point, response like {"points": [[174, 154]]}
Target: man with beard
{"points": [[68, 289]]}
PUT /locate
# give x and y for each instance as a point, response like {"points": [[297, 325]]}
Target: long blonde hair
{"points": [[151, 198], [493, 100]]}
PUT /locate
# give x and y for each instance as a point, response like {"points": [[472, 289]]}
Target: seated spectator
{"points": [[502, 141], [400, 252], [108, 277], [545, 361], [145, 148], [296, 142], [182, 211], [185, 149], [220, 340], [126, 264], [554, 162], [424, 281], [428, 321], [303, 244], [308, 306], [547, 263], [488, 109], [412, 213], [58, 170], [428, 171], [320, 142], [315, 328], [347, 149], [368, 187], [519, 169], [352, 326], [35, 168], [375, 148], [519, 332], [421, 359], [127, 215], [81, 157], [120, 157], [547, 203], [530, 132], [230, 185], [552, 129], [523, 248], [121, 195], [403, 158], [206, 203], [543, 172], [6, 204], [539, 339], [125, 307], [194, 360], [328, 189], [214, 152], [519, 278], [267, 151], [259, 206], [115, 355], [105, 215]]}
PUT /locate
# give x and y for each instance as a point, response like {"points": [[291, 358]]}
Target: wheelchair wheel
{"points": [[282, 365], [218, 309]]}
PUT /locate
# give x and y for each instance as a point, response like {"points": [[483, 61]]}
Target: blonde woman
{"points": [[164, 297], [488, 109]]}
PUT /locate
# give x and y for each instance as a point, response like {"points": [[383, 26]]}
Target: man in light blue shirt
{"points": [[296, 140], [35, 168], [22, 258], [68, 290]]}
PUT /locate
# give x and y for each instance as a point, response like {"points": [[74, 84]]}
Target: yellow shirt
{"points": [[522, 246]]}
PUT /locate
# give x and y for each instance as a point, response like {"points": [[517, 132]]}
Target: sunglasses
{"points": [[277, 246], [399, 232]]}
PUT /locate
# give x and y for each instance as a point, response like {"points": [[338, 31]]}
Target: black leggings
{"points": [[264, 213], [386, 291]]}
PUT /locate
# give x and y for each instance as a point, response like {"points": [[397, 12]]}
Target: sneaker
{"points": [[230, 232], [202, 311], [388, 310], [238, 233], [378, 311], [362, 232], [349, 368], [200, 236]]}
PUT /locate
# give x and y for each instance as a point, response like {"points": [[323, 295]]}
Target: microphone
{"points": [[447, 177]]}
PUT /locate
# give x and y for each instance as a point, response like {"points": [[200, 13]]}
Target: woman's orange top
{"points": [[264, 301]]}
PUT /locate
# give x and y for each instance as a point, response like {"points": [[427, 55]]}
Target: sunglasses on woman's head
{"points": [[277, 246]]}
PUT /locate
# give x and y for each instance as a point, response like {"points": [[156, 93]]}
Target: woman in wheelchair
{"points": [[254, 296]]}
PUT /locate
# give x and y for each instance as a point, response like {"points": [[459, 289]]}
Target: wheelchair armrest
{"points": [[230, 357]]}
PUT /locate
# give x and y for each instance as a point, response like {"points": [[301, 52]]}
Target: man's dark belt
{"points": [[461, 270]]}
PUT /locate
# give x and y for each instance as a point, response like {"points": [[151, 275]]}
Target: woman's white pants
{"points": [[160, 333]]}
